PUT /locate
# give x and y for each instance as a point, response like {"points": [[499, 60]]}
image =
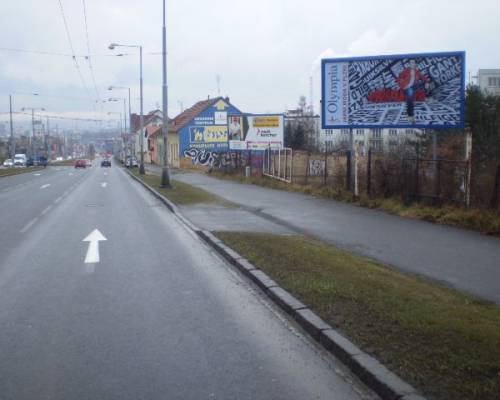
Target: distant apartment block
{"points": [[489, 81]]}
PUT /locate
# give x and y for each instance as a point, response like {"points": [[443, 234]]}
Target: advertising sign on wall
{"points": [[211, 136], [398, 91], [255, 132]]}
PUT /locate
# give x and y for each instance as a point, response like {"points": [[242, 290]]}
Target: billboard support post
{"points": [[417, 167], [356, 165], [468, 160]]}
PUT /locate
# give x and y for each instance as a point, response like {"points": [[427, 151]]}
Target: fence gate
{"points": [[277, 164]]}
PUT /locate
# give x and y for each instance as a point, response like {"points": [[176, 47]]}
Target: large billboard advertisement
{"points": [[397, 91], [255, 132]]}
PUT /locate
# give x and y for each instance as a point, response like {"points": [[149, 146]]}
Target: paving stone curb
{"points": [[370, 371]]}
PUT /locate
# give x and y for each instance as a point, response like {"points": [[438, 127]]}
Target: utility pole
{"points": [[165, 178], [12, 143], [48, 141]]}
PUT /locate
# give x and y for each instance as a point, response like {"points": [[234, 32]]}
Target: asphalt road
{"points": [[464, 260], [160, 316]]}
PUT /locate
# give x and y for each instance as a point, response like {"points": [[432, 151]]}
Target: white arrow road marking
{"points": [[45, 186], [37, 174], [93, 251], [105, 174], [104, 184]]}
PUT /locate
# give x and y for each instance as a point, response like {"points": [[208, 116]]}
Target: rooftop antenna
{"points": [[217, 78], [311, 101]]}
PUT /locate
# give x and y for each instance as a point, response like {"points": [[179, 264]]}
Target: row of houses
{"points": [[201, 127]]}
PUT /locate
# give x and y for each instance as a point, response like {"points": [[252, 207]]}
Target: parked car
{"points": [[89, 162], [20, 160], [131, 162], [80, 164], [8, 163], [105, 163]]}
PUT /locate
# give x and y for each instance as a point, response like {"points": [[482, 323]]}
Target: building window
{"points": [[377, 133], [360, 131], [493, 81], [410, 132], [393, 132], [345, 131], [376, 145]]}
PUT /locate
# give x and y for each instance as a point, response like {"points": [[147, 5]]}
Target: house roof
{"points": [[135, 119], [153, 130], [189, 114]]}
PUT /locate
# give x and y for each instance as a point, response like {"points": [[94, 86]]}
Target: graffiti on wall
{"points": [[217, 160], [316, 167]]}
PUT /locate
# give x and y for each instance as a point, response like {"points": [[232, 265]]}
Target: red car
{"points": [[80, 164]]}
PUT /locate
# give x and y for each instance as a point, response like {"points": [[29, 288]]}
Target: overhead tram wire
{"points": [[88, 49], [73, 50], [54, 53], [61, 117]]}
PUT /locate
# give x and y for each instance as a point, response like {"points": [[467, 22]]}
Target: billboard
{"points": [[208, 136], [255, 132], [397, 91]]}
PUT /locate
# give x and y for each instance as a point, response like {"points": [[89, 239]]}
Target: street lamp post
{"points": [[141, 139], [165, 177], [33, 109], [129, 116]]}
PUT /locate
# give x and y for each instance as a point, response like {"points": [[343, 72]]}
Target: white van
{"points": [[20, 160]]}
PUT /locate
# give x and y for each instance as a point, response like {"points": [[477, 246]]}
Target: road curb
{"points": [[369, 370]]}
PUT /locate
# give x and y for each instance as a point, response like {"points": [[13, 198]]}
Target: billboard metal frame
{"points": [[460, 125]]}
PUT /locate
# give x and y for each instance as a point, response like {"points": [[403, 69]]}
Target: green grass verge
{"points": [[182, 193], [443, 342], [474, 219], [17, 171]]}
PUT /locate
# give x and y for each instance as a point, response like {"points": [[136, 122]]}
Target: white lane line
{"points": [[37, 174], [45, 186], [70, 174], [58, 200], [46, 210], [104, 184], [29, 225]]}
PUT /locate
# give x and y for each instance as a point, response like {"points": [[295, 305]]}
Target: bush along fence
{"points": [[408, 173]]}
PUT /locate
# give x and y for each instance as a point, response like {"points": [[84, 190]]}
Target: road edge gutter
{"points": [[369, 370]]}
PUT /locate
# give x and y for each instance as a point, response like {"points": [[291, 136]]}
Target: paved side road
{"points": [[464, 260], [159, 316]]}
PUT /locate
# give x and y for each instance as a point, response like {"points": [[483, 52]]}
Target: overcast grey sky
{"points": [[263, 50]]}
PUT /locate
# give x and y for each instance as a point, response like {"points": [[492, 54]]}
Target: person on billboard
{"points": [[410, 80], [235, 129]]}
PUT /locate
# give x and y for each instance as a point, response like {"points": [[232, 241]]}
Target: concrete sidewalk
{"points": [[461, 259]]}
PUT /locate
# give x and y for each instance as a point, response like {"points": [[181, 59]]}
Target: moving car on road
{"points": [[105, 163], [80, 164]]}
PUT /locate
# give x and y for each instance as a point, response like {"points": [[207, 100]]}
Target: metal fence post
{"points": [[417, 167], [369, 173], [348, 170]]}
